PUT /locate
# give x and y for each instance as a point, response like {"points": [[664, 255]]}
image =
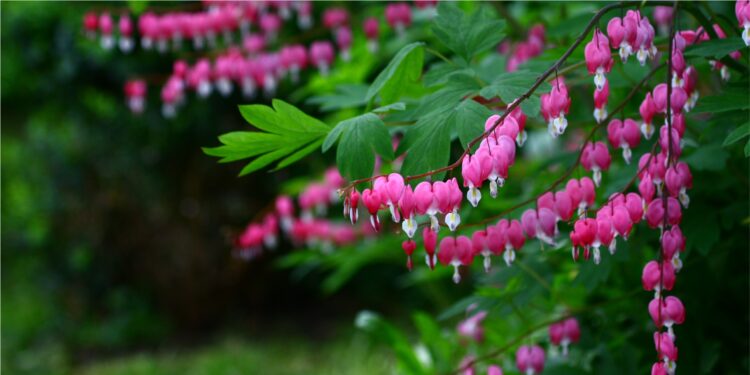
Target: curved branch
{"points": [[541, 79]]}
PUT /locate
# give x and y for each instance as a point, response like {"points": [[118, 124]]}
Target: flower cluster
{"points": [[245, 60], [525, 50], [309, 229], [630, 34], [104, 25], [530, 359]]}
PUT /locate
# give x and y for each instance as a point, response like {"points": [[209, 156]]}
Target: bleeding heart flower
{"points": [[530, 359], [429, 237], [625, 135], [595, 157], [455, 252], [409, 246], [598, 58], [653, 278], [655, 213], [601, 97], [564, 333], [648, 110], [555, 106], [372, 200]]}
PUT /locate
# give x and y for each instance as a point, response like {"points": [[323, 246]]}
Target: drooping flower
{"points": [[564, 333], [426, 204], [321, 55], [530, 359], [475, 169], [654, 279], [671, 312], [677, 180], [622, 33], [372, 200], [398, 16], [372, 30], [601, 97], [667, 350], [344, 42], [647, 110], [455, 251], [471, 327], [598, 58], [391, 188], [125, 25], [555, 106], [595, 157], [429, 238], [106, 26], [407, 203], [625, 135], [409, 246], [742, 11]]}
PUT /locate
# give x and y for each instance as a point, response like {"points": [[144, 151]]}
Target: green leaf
{"points": [[510, 86], [428, 143], [456, 89], [467, 35], [299, 154], [440, 72], [286, 132], [346, 96], [265, 160], [730, 99], [717, 48], [740, 132], [362, 137], [470, 118], [398, 106], [747, 148], [711, 157], [405, 67]]}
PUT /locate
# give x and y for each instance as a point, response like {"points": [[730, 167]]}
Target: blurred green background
{"points": [[117, 231]]}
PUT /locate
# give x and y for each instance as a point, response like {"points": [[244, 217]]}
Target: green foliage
{"points": [[404, 68], [288, 134], [363, 136], [510, 86], [729, 100], [467, 35], [716, 48]]}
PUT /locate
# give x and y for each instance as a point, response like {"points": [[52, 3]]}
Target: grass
{"points": [[353, 355]]}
